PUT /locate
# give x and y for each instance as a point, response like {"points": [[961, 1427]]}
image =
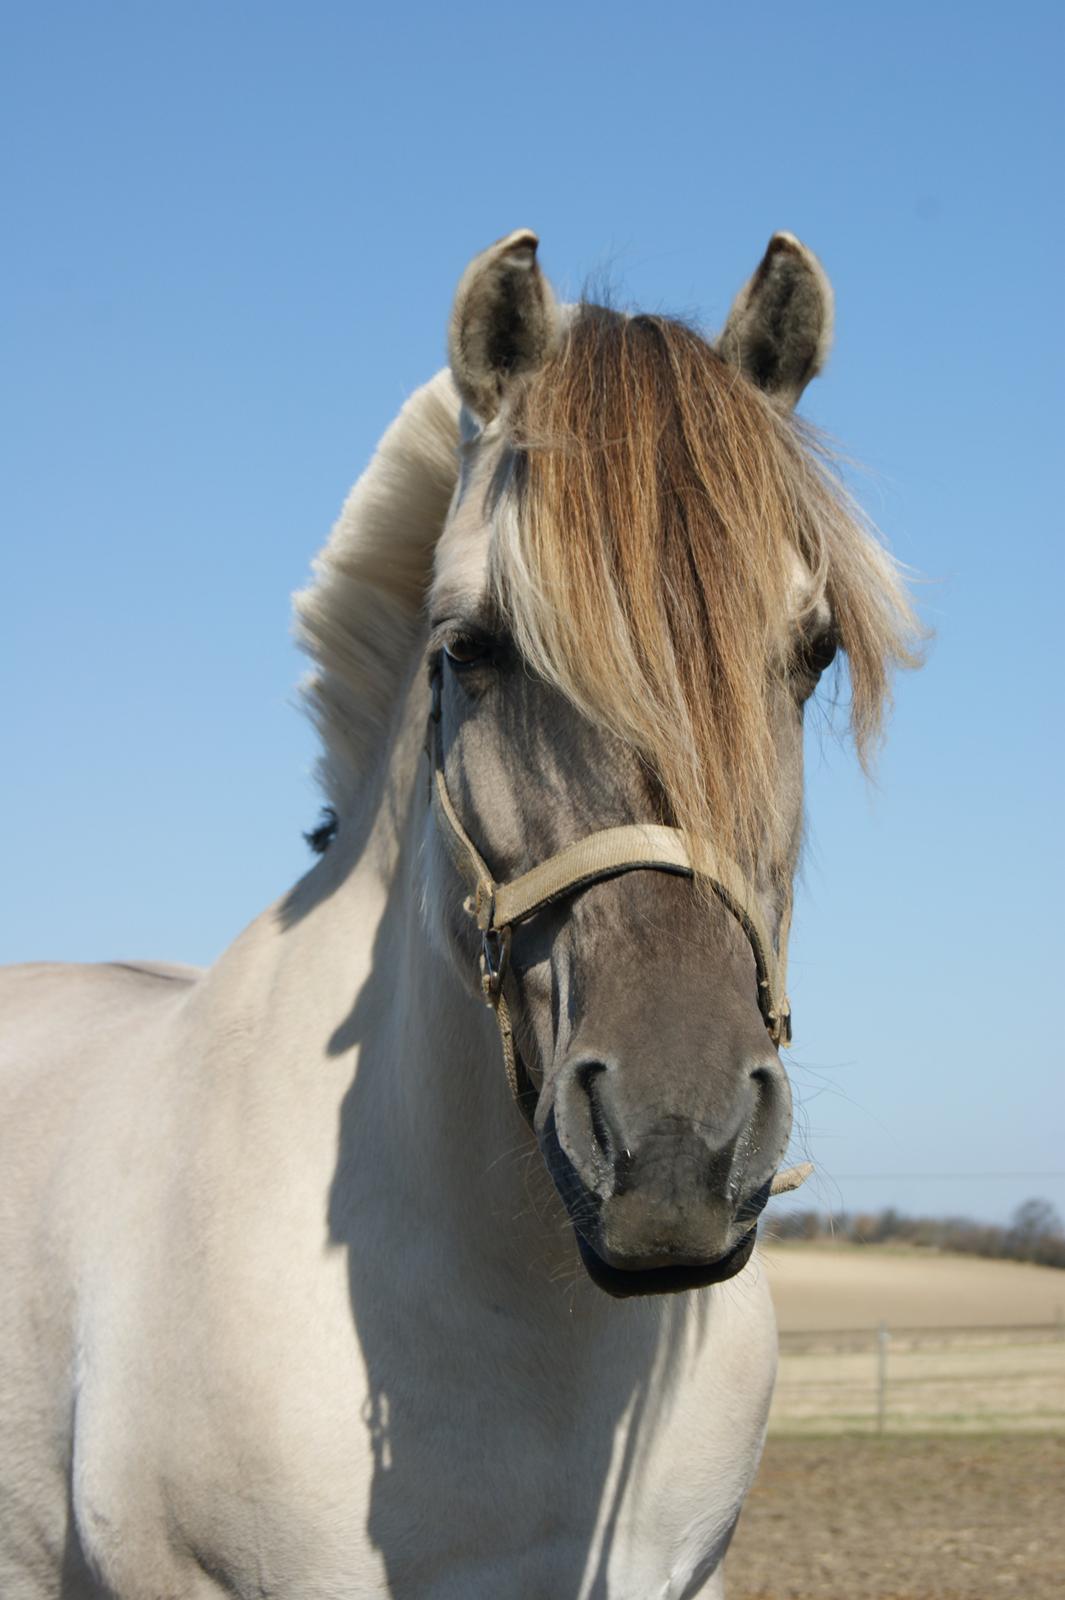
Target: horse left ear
{"points": [[503, 324], [779, 330]]}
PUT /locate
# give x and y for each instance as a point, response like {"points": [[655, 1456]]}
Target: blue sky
{"points": [[232, 235]]}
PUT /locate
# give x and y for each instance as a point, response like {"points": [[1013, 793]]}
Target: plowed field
{"points": [[904, 1518]]}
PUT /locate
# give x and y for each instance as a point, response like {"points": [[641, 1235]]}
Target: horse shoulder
{"points": [[68, 1038]]}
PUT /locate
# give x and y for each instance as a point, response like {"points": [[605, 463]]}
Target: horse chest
{"points": [[462, 1467], [477, 1475]]}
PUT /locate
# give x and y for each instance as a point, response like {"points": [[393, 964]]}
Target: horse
{"points": [[409, 1249]]}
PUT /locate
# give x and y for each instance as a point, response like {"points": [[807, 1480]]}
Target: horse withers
{"points": [[408, 1249]]}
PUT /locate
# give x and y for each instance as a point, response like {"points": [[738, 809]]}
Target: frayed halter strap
{"points": [[497, 907]]}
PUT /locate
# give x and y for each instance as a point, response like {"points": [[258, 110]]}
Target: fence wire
{"points": [[942, 1380]]}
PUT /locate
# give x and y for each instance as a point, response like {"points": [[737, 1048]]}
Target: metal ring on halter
{"points": [[495, 948]]}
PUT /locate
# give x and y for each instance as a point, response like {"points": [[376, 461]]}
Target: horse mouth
{"points": [[624, 1282]]}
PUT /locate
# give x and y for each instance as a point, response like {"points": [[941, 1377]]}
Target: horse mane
{"points": [[656, 516], [359, 617], [664, 511]]}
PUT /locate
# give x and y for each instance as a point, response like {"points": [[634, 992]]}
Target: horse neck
{"points": [[435, 1145]]}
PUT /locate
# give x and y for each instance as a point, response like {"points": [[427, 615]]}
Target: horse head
{"points": [[643, 573]]}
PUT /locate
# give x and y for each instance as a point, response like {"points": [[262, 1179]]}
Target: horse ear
{"points": [[503, 323], [780, 327]]}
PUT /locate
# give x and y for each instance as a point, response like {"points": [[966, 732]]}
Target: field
{"points": [[904, 1518], [961, 1496], [819, 1286], [968, 1345]]}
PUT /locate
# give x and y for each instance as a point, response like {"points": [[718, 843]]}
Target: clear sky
{"points": [[232, 232]]}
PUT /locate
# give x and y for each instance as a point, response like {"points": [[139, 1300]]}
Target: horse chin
{"points": [[624, 1282]]}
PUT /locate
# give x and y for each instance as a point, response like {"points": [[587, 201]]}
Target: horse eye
{"points": [[465, 650], [819, 653]]}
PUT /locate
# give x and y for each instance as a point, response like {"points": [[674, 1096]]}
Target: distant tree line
{"points": [[1034, 1232]]}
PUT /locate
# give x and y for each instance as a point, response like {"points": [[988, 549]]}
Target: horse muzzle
{"points": [[669, 1201]]}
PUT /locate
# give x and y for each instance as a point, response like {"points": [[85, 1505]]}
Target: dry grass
{"points": [[971, 1386], [858, 1286]]}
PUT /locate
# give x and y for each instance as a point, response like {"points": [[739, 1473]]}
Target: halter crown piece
{"points": [[497, 907]]}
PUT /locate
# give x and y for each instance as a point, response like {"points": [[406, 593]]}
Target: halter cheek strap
{"points": [[497, 907]]}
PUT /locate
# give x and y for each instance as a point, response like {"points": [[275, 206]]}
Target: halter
{"points": [[497, 907]]}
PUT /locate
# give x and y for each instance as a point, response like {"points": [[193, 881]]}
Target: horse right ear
{"points": [[503, 325]]}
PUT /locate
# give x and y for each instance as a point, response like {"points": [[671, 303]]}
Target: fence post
{"points": [[881, 1375]]}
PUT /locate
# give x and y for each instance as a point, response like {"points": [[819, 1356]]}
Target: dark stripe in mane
{"points": [[322, 835]]}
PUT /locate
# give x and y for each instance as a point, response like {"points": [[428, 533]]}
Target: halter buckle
{"points": [[495, 948]]}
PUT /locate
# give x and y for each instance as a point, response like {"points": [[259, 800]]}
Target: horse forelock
{"points": [[656, 532], [662, 533]]}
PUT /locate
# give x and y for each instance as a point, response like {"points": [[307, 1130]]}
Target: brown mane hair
{"points": [[650, 570]]}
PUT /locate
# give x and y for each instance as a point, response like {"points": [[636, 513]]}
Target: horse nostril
{"points": [[767, 1073], [770, 1122], [604, 1145]]}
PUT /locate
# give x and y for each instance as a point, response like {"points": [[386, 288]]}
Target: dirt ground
{"points": [[911, 1518]]}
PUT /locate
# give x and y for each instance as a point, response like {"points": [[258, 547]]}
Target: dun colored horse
{"points": [[392, 1255]]}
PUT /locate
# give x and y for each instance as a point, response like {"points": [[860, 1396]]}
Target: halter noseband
{"points": [[497, 907]]}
